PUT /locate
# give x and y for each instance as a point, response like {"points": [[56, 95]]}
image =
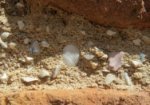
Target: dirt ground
{"points": [[59, 28]]}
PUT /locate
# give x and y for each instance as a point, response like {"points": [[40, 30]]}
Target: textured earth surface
{"points": [[22, 27]]}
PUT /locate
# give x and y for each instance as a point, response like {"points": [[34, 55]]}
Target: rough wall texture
{"points": [[119, 13]]}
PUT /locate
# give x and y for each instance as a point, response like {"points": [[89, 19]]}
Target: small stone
{"points": [[99, 53], [21, 25], [35, 48], [2, 55], [115, 60], [71, 55], [88, 56], [111, 33], [44, 74], [5, 35], [93, 65], [19, 5], [29, 59], [56, 71], [26, 41], [109, 78], [45, 44], [127, 79], [137, 75], [3, 78], [29, 79], [136, 63], [47, 29], [12, 45], [142, 57], [3, 44], [104, 57], [146, 39], [137, 42]]}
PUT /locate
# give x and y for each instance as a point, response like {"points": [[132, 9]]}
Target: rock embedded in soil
{"points": [[137, 42], [3, 77], [21, 25], [5, 35], [3, 44], [26, 41], [56, 71], [35, 48], [44, 74], [115, 60], [137, 75], [45, 44], [71, 55], [109, 78], [12, 45], [127, 79], [111, 33], [136, 63], [29, 79]]}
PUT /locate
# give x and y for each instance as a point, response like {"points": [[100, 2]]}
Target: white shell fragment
{"points": [[35, 48], [29, 79], [71, 55], [44, 74], [21, 25], [109, 78]]}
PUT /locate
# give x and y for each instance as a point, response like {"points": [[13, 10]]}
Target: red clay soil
{"points": [[118, 13], [76, 97]]}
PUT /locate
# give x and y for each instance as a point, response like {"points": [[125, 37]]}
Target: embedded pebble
{"points": [[127, 79], [93, 65], [21, 25], [71, 55], [12, 45], [142, 57], [98, 52], [29, 59], [2, 55], [29, 79], [35, 48], [47, 29], [44, 74], [19, 5], [56, 71], [45, 44], [88, 56], [111, 33], [5, 35], [115, 60], [146, 39], [136, 63], [137, 42], [109, 78], [137, 75], [3, 78], [3, 44], [26, 41]]}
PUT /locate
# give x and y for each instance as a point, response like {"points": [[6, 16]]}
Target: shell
{"points": [[71, 55]]}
